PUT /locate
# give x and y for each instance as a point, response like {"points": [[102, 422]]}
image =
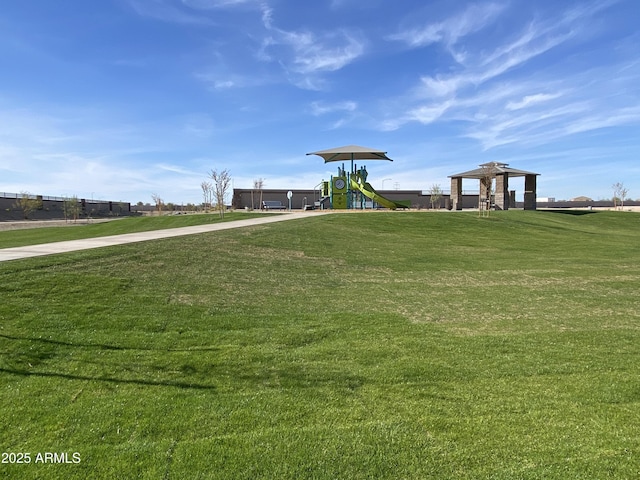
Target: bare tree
{"points": [[158, 201], [257, 185], [221, 183], [619, 194], [207, 194], [27, 203], [623, 195], [71, 208], [488, 173], [435, 194]]}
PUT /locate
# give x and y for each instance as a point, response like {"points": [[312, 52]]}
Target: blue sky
{"points": [[119, 99]]}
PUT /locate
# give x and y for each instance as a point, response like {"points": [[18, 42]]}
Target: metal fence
{"points": [[48, 198]]}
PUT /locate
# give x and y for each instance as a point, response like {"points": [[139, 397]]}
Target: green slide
{"points": [[368, 191]]}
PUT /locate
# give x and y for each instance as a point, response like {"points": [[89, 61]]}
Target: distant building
{"points": [[54, 207], [546, 199], [582, 199]]}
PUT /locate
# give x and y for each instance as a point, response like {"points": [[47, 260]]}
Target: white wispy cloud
{"points": [[524, 128], [428, 113], [529, 100], [179, 169], [346, 111], [84, 151], [529, 45], [223, 80], [169, 11], [332, 54], [451, 30], [213, 4], [303, 53], [300, 56], [306, 52], [474, 18], [188, 12], [322, 108], [622, 116], [498, 101]]}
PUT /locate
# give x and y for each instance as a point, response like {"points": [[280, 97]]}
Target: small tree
{"points": [[435, 194], [158, 201], [207, 194], [221, 183], [71, 208], [488, 173], [27, 203], [619, 194], [257, 185], [623, 195]]}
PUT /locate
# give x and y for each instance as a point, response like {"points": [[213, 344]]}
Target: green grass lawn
{"points": [[383, 345], [76, 231]]}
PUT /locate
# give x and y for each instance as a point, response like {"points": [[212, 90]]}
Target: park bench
{"points": [[272, 205]]}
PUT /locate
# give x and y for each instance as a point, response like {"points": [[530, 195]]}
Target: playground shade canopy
{"points": [[351, 152]]}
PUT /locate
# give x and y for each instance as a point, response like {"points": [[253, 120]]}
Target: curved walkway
{"points": [[15, 253]]}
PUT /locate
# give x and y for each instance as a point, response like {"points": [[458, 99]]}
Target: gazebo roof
{"points": [[498, 169]]}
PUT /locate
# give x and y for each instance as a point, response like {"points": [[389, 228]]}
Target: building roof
{"points": [[498, 169]]}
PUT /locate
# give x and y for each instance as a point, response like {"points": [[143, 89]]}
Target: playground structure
{"points": [[350, 189]]}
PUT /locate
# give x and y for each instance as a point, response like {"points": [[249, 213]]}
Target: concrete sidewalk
{"points": [[16, 253]]}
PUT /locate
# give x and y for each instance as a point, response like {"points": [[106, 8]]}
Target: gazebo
{"points": [[501, 172]]}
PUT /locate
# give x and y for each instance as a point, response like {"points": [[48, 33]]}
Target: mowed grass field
{"points": [[76, 231], [375, 345]]}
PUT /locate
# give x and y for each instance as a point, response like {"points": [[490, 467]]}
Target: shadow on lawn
{"points": [[104, 346], [571, 212], [152, 383], [39, 357]]}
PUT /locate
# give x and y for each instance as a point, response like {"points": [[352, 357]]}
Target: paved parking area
{"points": [[16, 253]]}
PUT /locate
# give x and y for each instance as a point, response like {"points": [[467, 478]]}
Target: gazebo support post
{"points": [[530, 201], [502, 191], [456, 193]]}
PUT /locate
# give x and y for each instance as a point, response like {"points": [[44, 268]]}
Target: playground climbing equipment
{"points": [[350, 190]]}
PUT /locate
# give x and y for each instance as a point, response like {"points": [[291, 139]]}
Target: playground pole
{"points": [[349, 194]]}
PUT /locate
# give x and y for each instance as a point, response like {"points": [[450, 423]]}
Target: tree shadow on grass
{"points": [[39, 357], [276, 374], [571, 212], [105, 346], [152, 383]]}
